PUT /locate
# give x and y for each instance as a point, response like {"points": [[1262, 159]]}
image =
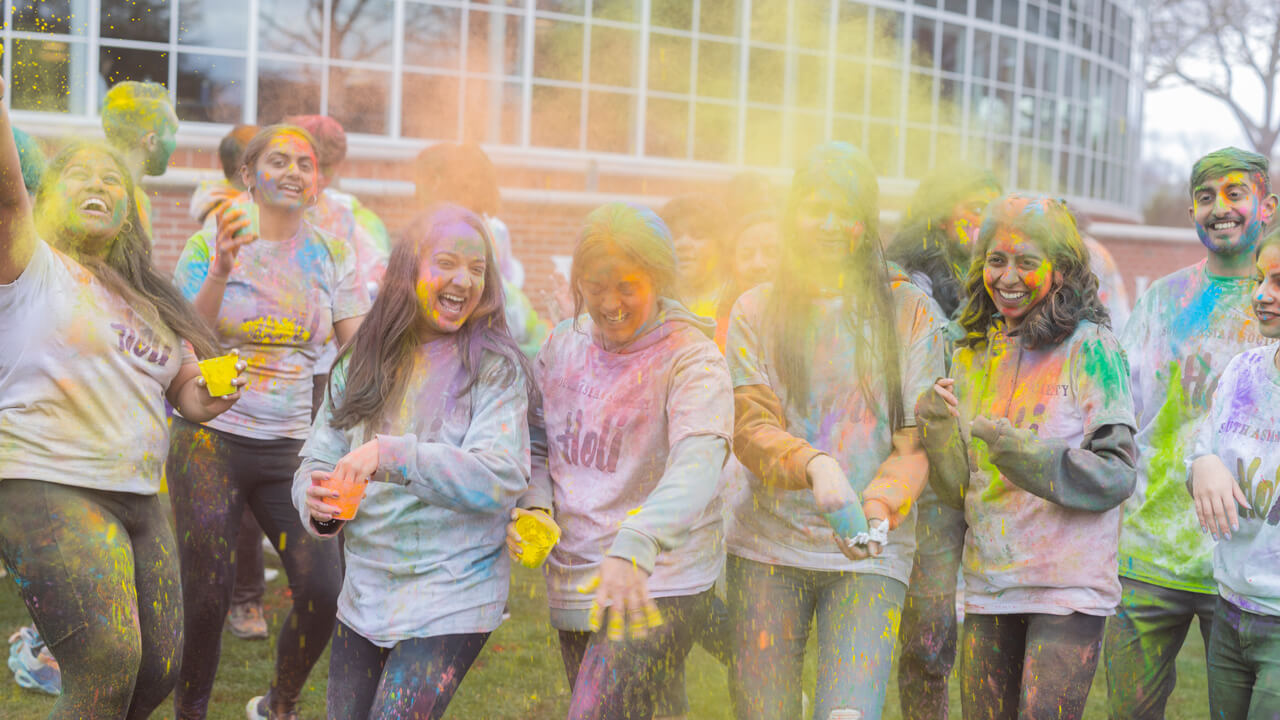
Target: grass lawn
{"points": [[519, 674]]}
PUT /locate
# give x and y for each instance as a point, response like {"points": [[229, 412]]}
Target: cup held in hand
{"points": [[349, 496], [538, 534], [848, 521], [218, 373]]}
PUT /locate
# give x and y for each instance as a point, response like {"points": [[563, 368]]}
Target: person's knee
{"points": [[102, 662]]}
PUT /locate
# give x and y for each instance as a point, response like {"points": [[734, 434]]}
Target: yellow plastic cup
{"points": [[218, 373], [538, 534]]}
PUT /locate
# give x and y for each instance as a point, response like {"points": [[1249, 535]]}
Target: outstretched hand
{"points": [[622, 594], [233, 234]]}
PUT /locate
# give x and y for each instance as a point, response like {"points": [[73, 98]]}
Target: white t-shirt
{"points": [[82, 381], [784, 527], [1243, 429], [279, 307]]}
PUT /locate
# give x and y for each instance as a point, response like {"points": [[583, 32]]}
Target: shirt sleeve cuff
{"points": [[636, 547]]}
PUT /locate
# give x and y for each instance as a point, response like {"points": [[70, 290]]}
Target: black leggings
{"points": [[99, 576], [415, 680], [211, 476], [1028, 667]]}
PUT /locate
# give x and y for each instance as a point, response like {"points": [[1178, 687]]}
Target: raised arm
{"points": [[17, 232]]}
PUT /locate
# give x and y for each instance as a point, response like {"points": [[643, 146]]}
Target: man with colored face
{"points": [[140, 124], [1181, 335]]}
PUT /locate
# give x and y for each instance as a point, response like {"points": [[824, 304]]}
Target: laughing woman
{"points": [[95, 341], [1041, 457]]}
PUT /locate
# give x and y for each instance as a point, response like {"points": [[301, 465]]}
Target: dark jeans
{"points": [[928, 633], [1244, 665], [616, 680], [1142, 643], [250, 586], [99, 575], [1028, 666], [211, 477], [415, 680], [714, 636]]}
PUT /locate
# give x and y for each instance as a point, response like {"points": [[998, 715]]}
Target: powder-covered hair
{"points": [[231, 152], [1047, 223], [380, 355], [847, 172], [636, 232], [258, 145], [125, 266], [1231, 159], [923, 245], [460, 174], [328, 139], [131, 109]]}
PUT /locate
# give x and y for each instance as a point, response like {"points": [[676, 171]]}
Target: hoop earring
{"points": [[127, 227]]}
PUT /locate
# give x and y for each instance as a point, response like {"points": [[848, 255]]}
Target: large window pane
{"points": [[430, 106], [886, 93], [1030, 59], [555, 116], [666, 128], [807, 130], [882, 147], [1006, 59], [623, 10], [120, 64], [48, 76], [922, 36], [852, 33], [613, 56], [64, 17], [717, 69], [432, 36], [360, 99], [952, 55], [361, 30], [722, 17], [810, 81], [495, 43], [135, 20], [294, 27], [769, 21], [210, 88], [669, 63], [715, 132], [847, 129], [763, 144], [675, 14], [214, 23], [950, 102], [982, 43], [568, 7], [888, 35], [812, 23], [766, 76], [492, 111], [611, 122], [1009, 13], [851, 85], [920, 100], [557, 50], [287, 88]]}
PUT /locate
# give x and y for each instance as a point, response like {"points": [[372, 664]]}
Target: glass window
{"points": [[851, 87], [210, 88], [959, 7], [1050, 70], [287, 88], [360, 98], [120, 64], [811, 24], [293, 27], [715, 132], [666, 128], [623, 10], [920, 91], [763, 144], [432, 36], [567, 7], [613, 56], [223, 24], [429, 108], [1025, 116], [674, 14], [495, 43], [48, 75], [1009, 13], [852, 32], [882, 147], [810, 81], [135, 20], [847, 129], [555, 116], [1030, 59], [557, 50], [766, 76], [886, 93], [888, 34], [723, 17], [1031, 20], [926, 3], [1052, 24], [947, 147], [922, 37], [492, 111], [670, 58], [361, 30], [917, 162], [611, 118], [950, 101], [1006, 59], [985, 10], [952, 54], [1048, 114], [982, 45], [64, 17], [769, 21], [717, 69]]}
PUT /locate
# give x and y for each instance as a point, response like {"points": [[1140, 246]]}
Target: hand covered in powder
{"points": [[515, 543], [318, 496], [939, 399], [1216, 493], [358, 465], [218, 405], [989, 429], [622, 592], [232, 235]]}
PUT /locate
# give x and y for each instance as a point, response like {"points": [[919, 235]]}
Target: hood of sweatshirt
{"points": [[672, 316]]}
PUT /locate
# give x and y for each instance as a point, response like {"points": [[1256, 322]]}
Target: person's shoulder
{"points": [[1176, 282]]}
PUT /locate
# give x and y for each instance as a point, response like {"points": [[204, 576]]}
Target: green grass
{"points": [[519, 675]]}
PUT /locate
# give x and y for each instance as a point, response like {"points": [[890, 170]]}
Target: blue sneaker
{"points": [[33, 666]]}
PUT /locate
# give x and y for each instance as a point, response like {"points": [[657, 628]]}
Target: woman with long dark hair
{"points": [[95, 341], [279, 288], [427, 409], [1033, 436], [821, 360]]}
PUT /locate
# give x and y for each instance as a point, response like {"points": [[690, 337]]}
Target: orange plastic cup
{"points": [[218, 373], [538, 534], [349, 496]]}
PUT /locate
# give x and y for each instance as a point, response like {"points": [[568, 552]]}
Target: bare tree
{"points": [[1215, 46]]}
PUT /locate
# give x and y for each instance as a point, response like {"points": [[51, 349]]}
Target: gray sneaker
{"points": [[247, 622]]}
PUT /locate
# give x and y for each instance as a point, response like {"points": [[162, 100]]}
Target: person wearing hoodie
{"points": [[637, 414], [1032, 435], [821, 360], [426, 412]]}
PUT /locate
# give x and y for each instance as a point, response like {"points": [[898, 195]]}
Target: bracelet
{"points": [[876, 533]]}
